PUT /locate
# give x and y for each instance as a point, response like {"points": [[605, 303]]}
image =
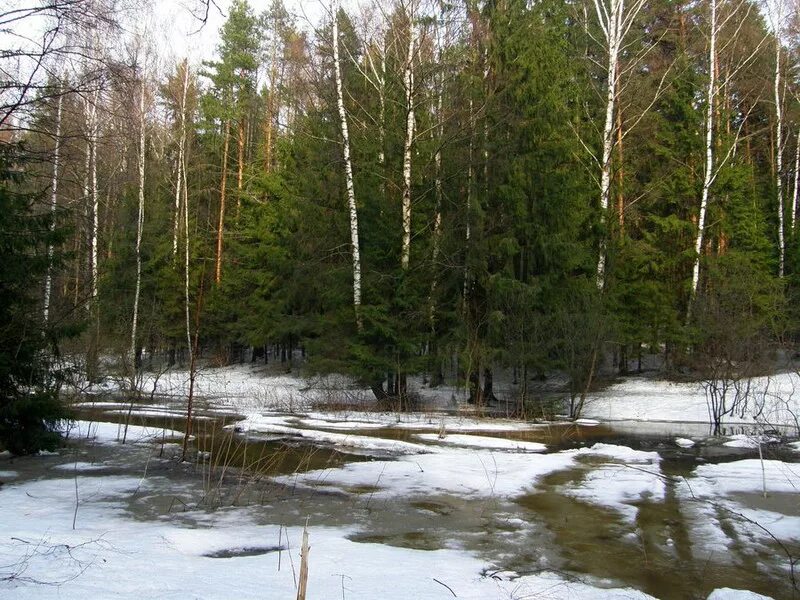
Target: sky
{"points": [[181, 33]]}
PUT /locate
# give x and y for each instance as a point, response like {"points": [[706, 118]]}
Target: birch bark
{"points": [[708, 175], [348, 170], [796, 183], [48, 286], [615, 21], [139, 227], [221, 224], [408, 84], [181, 151], [779, 150], [612, 32], [95, 200]]}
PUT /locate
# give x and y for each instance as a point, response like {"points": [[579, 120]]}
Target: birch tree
{"points": [[615, 20], [181, 163], [348, 169], [139, 225], [48, 286], [708, 171], [713, 164], [408, 86], [793, 207], [776, 17]]}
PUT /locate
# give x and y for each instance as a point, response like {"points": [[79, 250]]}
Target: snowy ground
{"points": [[776, 402], [439, 509]]}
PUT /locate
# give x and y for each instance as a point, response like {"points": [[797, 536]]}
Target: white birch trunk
{"points": [[709, 166], [95, 200], [796, 182], [613, 32], [186, 261], [222, 198], [48, 286], [139, 227], [408, 83], [348, 170], [382, 110], [181, 150], [779, 153]]}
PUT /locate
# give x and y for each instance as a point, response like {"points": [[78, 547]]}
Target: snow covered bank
{"points": [[777, 402]]}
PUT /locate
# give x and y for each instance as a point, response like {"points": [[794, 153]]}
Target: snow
{"points": [[110, 554], [633, 476], [267, 424], [730, 594], [421, 421], [457, 471], [621, 453], [118, 551], [157, 413], [8, 474], [105, 433], [750, 441], [79, 466], [478, 441], [346, 424], [638, 399], [618, 487], [713, 480]]}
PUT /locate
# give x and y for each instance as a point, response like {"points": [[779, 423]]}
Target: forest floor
{"points": [[636, 501]]}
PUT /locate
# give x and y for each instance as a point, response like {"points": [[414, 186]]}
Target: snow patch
{"points": [[485, 442]]}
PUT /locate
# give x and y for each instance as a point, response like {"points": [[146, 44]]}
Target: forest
{"points": [[419, 189], [485, 299]]}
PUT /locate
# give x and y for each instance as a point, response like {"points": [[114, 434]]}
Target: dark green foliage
{"points": [[30, 410]]}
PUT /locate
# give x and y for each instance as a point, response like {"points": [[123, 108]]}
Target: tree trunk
{"points": [[620, 177], [613, 33], [95, 202], [779, 152], [48, 286], [139, 227], [181, 162], [708, 175], [240, 172], [488, 385], [437, 159], [793, 207], [408, 84], [221, 224], [348, 171]]}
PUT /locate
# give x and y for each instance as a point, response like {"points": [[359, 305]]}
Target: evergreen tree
{"points": [[30, 410]]}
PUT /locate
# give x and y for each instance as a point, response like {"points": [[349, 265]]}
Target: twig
{"points": [[447, 586]]}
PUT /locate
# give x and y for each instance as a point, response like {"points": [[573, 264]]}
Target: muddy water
{"points": [[661, 551], [657, 553]]}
